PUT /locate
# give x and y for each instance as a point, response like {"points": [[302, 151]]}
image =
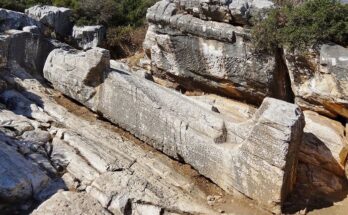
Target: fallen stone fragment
{"points": [[257, 157], [88, 37], [236, 11], [68, 202], [19, 124], [146, 209], [213, 10], [57, 18], [165, 13], [25, 50]]}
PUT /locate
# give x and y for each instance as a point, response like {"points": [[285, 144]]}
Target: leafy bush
{"points": [[300, 27], [106, 12], [135, 11], [125, 40], [21, 5]]}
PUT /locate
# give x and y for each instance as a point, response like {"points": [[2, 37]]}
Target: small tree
{"points": [[300, 27], [105, 12]]}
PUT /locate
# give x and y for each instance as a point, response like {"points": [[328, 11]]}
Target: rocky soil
{"points": [[240, 134]]}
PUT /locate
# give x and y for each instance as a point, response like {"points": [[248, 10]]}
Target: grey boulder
{"points": [[20, 49], [56, 18], [20, 178], [15, 20], [87, 37], [81, 71]]}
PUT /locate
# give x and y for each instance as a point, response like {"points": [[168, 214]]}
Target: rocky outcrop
{"points": [[74, 203], [15, 20], [214, 55], [237, 11], [26, 172], [20, 179], [87, 37], [140, 106], [56, 18], [103, 169], [26, 50], [319, 81]]}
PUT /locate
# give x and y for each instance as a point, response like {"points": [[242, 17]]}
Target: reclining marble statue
{"points": [[257, 157]]}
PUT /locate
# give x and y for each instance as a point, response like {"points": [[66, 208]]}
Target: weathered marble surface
{"points": [[82, 72], [64, 203], [212, 55], [320, 81], [26, 50], [235, 11], [225, 151], [87, 37], [56, 18]]}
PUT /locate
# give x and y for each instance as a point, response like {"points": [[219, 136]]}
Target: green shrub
{"points": [[91, 12], [124, 41], [21, 5], [135, 11], [303, 26]]}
